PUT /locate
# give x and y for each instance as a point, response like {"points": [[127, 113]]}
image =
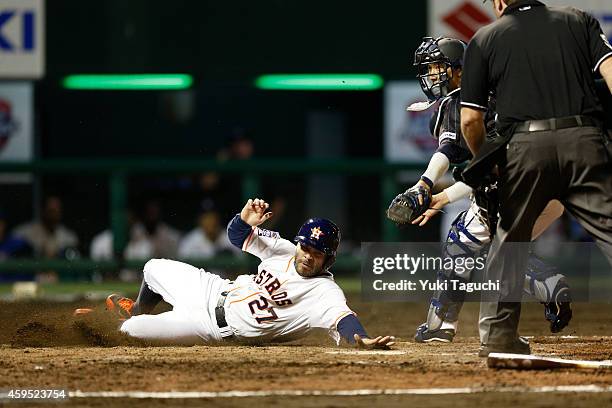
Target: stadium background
{"points": [[113, 156], [157, 145], [185, 134], [224, 47]]}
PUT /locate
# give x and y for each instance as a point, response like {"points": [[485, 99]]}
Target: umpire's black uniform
{"points": [[539, 62]]}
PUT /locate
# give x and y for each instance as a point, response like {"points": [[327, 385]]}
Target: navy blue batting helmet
{"points": [[322, 235]]}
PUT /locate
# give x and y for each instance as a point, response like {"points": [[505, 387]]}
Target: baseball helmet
{"points": [[322, 235], [432, 59]]}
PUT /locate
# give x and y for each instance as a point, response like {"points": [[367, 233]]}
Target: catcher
{"points": [[439, 62], [292, 293]]}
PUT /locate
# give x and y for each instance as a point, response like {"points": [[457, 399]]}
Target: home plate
{"points": [[364, 352]]}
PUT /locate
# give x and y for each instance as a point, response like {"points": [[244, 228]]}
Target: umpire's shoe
{"points": [[518, 346], [424, 335], [559, 311]]}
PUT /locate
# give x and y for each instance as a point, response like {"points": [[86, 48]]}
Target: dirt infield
{"points": [[43, 346]]}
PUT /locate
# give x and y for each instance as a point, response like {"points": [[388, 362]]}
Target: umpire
{"points": [[539, 62]]}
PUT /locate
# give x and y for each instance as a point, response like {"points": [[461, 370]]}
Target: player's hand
{"points": [[438, 201], [254, 212], [409, 205], [380, 342], [425, 186]]}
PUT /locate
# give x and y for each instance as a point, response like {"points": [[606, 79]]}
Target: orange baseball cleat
{"points": [[119, 305], [82, 311]]}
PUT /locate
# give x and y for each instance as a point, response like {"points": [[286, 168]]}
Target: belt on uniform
{"points": [[226, 330], [556, 123]]}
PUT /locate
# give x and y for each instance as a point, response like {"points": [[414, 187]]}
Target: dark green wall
{"points": [[225, 45], [233, 39]]}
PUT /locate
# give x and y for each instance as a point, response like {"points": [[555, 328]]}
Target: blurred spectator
{"points": [[164, 239], [48, 237], [240, 147], [208, 238], [278, 206], [138, 247], [11, 246], [226, 188], [209, 182]]}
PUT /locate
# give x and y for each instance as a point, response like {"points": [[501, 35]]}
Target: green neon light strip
{"points": [[320, 82], [144, 82]]}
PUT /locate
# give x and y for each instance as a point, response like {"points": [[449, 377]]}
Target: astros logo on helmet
{"points": [[316, 233]]}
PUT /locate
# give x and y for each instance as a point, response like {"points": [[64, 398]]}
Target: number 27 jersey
{"points": [[277, 303]]}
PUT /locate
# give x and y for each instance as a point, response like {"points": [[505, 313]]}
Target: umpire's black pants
{"points": [[573, 165]]}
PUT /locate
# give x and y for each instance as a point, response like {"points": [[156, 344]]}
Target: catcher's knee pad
{"points": [[470, 229], [465, 236], [466, 241]]}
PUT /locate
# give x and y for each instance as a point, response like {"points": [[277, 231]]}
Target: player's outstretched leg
{"points": [[547, 285], [193, 294], [173, 327], [125, 307], [146, 300]]}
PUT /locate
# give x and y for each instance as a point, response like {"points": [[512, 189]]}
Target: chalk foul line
{"points": [[338, 393]]}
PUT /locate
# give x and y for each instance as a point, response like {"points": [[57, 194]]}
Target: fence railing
{"points": [[69, 269], [118, 171]]}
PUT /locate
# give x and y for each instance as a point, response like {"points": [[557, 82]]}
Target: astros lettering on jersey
{"points": [[277, 303]]}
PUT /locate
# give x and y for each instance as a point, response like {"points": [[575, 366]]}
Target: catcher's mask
{"points": [[322, 235], [432, 59]]}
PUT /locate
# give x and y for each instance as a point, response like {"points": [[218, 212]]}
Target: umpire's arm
{"points": [[473, 129], [474, 96], [606, 72], [600, 49]]}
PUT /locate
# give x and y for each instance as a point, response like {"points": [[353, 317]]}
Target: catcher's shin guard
{"points": [[446, 304], [559, 311], [442, 315], [462, 243], [547, 285]]}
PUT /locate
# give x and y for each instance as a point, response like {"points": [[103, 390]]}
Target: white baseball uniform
{"points": [[276, 304]]}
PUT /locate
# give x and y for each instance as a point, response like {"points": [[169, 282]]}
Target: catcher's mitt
{"points": [[406, 207]]}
